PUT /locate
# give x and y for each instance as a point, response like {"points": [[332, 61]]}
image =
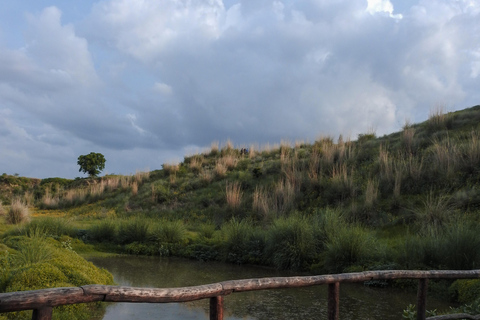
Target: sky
{"points": [[147, 82]]}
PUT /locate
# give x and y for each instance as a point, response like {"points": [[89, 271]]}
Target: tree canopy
{"points": [[92, 163]]}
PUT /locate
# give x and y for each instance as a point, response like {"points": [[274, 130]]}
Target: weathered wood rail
{"points": [[43, 301]]}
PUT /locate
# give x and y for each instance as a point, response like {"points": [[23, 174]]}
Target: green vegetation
{"points": [[92, 163], [33, 260], [408, 200]]}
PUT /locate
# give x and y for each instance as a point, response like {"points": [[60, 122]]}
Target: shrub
{"points": [[50, 227], [290, 243], [435, 213], [105, 231], [236, 235], [169, 232], [460, 247], [348, 246], [233, 194], [132, 230], [18, 213]]}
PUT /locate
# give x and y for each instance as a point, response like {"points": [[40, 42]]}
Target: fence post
{"points": [[216, 308], [44, 313], [333, 300], [422, 299]]}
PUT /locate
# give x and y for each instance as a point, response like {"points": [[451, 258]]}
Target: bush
{"points": [[18, 213], [460, 247], [236, 235], [50, 227], [169, 232], [291, 243], [348, 246], [63, 268], [105, 231], [132, 230]]}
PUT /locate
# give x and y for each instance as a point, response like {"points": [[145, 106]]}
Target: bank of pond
{"points": [[47, 252]]}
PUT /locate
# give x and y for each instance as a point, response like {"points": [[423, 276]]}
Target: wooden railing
{"points": [[43, 301]]}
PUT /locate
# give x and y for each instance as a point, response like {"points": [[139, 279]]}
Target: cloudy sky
{"points": [[146, 82]]}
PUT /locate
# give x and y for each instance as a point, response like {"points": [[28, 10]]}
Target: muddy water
{"points": [[356, 300]]}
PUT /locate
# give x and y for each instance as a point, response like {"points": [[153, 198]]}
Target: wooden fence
{"points": [[43, 301]]}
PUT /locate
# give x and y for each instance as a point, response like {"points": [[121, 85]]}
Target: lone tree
{"points": [[92, 163]]}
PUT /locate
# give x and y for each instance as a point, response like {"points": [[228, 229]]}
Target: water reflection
{"points": [[356, 301]]}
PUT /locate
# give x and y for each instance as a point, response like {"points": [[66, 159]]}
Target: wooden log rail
{"points": [[43, 301]]}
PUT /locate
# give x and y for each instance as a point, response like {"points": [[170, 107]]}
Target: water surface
{"points": [[357, 301]]}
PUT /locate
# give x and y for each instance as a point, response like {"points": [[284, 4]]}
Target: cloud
{"points": [[148, 80]]}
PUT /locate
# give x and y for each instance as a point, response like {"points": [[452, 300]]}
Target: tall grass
{"points": [[260, 203], [34, 250], [290, 243], [460, 249], [472, 151], [132, 230], [173, 232], [236, 236], [371, 193], [283, 197], [105, 231], [2, 210], [50, 226], [196, 164], [435, 212], [407, 137], [350, 245], [233, 193], [220, 169], [18, 212]]}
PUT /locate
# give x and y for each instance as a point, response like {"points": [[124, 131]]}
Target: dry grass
{"points": [[446, 156], [171, 168], [206, 176], [386, 164], [49, 200], [196, 164], [233, 194], [260, 202], [314, 165], [437, 116], [220, 169], [2, 210], [407, 136], [97, 189], [18, 212], [284, 196], [134, 188], [140, 176], [371, 193], [398, 182], [229, 161], [214, 147], [472, 150]]}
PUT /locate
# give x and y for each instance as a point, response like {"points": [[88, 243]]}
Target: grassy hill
{"points": [[410, 199]]}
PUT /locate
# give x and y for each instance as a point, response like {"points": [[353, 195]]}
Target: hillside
{"points": [[410, 199]]}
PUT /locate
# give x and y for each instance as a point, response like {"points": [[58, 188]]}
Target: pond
{"points": [[356, 300]]}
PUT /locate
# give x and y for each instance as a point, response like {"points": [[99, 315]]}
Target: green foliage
{"points": [[50, 226], [105, 231], [350, 245], [291, 243], [53, 267], [92, 163], [169, 232], [465, 290], [132, 230]]}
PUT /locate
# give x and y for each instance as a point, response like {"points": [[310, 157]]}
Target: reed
{"points": [[260, 202], [18, 212], [233, 192]]}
